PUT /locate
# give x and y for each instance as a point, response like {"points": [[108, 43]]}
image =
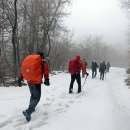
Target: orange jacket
{"points": [[45, 72]]}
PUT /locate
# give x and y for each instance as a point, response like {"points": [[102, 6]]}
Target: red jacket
{"points": [[75, 69], [45, 72]]}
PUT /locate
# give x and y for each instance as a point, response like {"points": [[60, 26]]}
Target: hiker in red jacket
{"points": [[33, 69], [75, 65]]}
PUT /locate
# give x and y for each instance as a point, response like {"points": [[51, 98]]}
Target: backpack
{"points": [[74, 66], [32, 68]]}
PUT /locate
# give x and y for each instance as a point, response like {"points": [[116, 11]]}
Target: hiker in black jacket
{"points": [[102, 70], [94, 67]]}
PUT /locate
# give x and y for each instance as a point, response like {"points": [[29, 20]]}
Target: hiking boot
{"points": [[70, 92], [79, 91], [28, 117]]}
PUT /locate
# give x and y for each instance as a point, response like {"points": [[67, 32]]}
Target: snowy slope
{"points": [[103, 105]]}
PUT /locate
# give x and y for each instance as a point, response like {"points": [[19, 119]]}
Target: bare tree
{"points": [[30, 26], [14, 37], [3, 43]]}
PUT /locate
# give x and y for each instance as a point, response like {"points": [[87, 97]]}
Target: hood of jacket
{"points": [[77, 57]]}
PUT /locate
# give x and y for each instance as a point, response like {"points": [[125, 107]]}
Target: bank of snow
{"points": [[103, 105]]}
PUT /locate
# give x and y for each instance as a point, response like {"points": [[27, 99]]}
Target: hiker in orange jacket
{"points": [[35, 86]]}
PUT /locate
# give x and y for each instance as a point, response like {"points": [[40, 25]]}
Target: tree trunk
{"points": [[14, 41]]}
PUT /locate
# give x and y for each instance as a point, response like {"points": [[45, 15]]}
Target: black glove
{"points": [[47, 83], [87, 74], [19, 82]]}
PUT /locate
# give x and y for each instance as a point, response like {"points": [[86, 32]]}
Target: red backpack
{"points": [[74, 66], [32, 68]]}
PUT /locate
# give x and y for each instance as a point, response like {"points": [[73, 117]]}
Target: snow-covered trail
{"points": [[103, 105]]}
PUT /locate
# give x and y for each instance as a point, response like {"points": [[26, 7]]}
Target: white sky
{"points": [[103, 17]]}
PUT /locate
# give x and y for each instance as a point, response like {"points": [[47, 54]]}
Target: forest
{"points": [[37, 25]]}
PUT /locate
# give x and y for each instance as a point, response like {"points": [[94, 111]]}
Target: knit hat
{"points": [[40, 53]]}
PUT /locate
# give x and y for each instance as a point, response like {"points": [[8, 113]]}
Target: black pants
{"points": [[107, 69], [35, 91], [94, 73], [102, 75], [78, 79], [83, 74]]}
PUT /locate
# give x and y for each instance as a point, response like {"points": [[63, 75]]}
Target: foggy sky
{"points": [[102, 17]]}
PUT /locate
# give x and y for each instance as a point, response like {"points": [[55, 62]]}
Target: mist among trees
{"points": [[37, 25]]}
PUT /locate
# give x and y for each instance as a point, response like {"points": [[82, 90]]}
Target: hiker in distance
{"points": [[102, 70], [94, 67], [108, 67], [75, 66], [33, 69], [85, 64]]}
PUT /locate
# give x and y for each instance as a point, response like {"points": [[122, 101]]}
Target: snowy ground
{"points": [[103, 105]]}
